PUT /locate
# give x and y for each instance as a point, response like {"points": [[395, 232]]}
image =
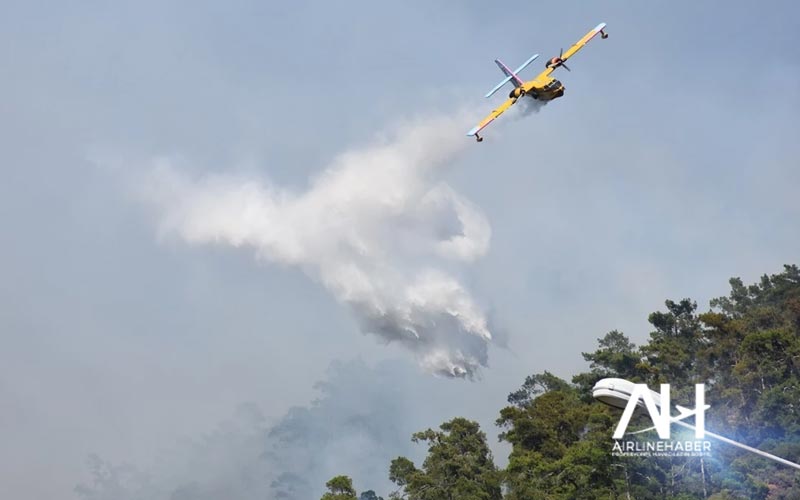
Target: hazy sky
{"points": [[670, 165]]}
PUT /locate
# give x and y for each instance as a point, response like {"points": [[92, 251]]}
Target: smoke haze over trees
{"points": [[360, 419], [746, 349]]}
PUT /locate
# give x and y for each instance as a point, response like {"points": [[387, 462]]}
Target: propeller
{"points": [[558, 61], [560, 53]]}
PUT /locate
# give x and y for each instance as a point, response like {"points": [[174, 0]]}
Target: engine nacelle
{"points": [[555, 61], [517, 93]]}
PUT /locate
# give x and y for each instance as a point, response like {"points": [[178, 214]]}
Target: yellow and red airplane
{"points": [[542, 88]]}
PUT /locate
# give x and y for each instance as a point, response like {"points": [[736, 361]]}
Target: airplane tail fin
{"points": [[511, 76]]}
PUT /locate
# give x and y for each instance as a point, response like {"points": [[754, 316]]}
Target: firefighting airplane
{"points": [[543, 88]]}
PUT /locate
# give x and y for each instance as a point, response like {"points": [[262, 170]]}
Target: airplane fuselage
{"points": [[546, 89], [541, 88]]}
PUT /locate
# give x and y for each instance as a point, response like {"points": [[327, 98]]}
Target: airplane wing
{"points": [[494, 114], [583, 41]]}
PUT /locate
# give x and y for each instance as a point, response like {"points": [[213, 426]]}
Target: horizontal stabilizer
{"points": [[510, 75], [526, 63], [499, 85]]}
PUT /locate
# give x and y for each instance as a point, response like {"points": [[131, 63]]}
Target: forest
{"points": [[746, 350]]}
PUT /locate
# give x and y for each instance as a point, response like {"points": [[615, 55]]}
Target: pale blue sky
{"points": [[670, 165]]}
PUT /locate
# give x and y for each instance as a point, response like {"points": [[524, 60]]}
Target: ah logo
{"points": [[660, 412]]}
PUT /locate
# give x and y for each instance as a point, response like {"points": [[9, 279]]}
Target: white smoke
{"points": [[378, 228], [525, 107], [362, 417]]}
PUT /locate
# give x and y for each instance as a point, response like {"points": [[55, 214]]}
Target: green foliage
{"points": [[747, 352], [746, 349], [535, 385], [369, 495], [671, 354], [560, 447], [340, 488], [616, 355], [458, 466]]}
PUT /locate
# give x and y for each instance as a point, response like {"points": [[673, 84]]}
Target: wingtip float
{"points": [[542, 88]]}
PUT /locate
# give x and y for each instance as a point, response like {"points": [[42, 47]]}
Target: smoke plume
{"points": [[525, 107], [361, 419], [378, 228]]}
